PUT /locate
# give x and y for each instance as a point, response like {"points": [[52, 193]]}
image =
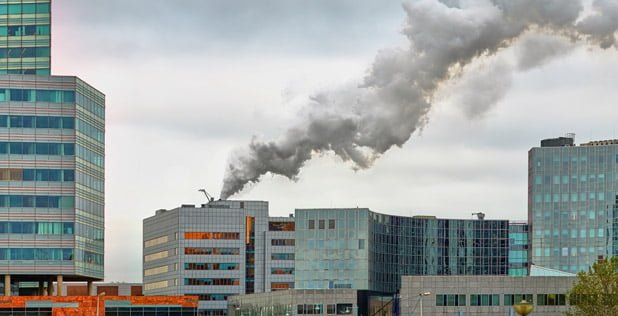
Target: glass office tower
{"points": [[52, 149], [25, 37], [361, 249], [571, 193]]}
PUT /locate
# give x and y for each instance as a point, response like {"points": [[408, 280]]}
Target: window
{"points": [[484, 300], [211, 266], [211, 251], [282, 256], [155, 241], [211, 281], [156, 256], [282, 270], [511, 299], [551, 299], [281, 226], [310, 223], [321, 224], [450, 300], [155, 285], [282, 242], [155, 271], [331, 224]]}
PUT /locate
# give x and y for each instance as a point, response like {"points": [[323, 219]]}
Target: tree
{"points": [[596, 291]]}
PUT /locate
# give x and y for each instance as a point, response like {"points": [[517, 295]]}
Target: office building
{"points": [[360, 249], [313, 302], [483, 295], [571, 194], [25, 37], [51, 160], [219, 249], [519, 245]]}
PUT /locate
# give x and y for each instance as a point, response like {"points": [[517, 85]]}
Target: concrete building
{"points": [[220, 249], [360, 249], [483, 295], [312, 302], [572, 191], [52, 149]]}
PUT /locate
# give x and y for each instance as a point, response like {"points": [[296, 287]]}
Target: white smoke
{"points": [[359, 123]]}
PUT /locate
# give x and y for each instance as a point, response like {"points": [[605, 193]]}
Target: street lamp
{"points": [[523, 308], [98, 297], [420, 295]]}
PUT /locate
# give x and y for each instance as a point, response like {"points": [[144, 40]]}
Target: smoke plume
{"points": [[359, 123]]}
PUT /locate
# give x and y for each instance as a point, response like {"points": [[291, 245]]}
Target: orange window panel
{"points": [[212, 235]]}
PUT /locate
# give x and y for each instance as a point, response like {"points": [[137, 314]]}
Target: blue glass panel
{"points": [[55, 122], [42, 8], [28, 121], [4, 9], [4, 148], [28, 201], [42, 148], [42, 122], [42, 52], [14, 8], [69, 175], [69, 96], [68, 122], [69, 150], [55, 149], [28, 8]]}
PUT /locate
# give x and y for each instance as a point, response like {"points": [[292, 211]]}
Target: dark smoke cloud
{"points": [[359, 123]]}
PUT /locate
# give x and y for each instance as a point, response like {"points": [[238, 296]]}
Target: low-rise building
{"points": [[483, 295]]}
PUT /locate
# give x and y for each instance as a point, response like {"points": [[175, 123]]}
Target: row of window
{"points": [[91, 258], [210, 296], [24, 52], [41, 228], [90, 131], [64, 254], [283, 242], [321, 224], [212, 235], [30, 148], [282, 256], [282, 270], [90, 156], [331, 309], [90, 106], [211, 281], [211, 251], [24, 30], [566, 197], [281, 285], [564, 179], [31, 121], [494, 299], [211, 266], [155, 241], [37, 201], [56, 175], [281, 226], [32, 95], [25, 8]]}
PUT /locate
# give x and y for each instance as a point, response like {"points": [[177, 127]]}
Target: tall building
{"points": [[220, 249], [51, 159], [360, 249], [25, 37], [571, 193]]}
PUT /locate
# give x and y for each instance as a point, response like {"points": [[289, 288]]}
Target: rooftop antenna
{"points": [[479, 215], [209, 197]]}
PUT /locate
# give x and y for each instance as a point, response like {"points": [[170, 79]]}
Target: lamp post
{"points": [[420, 295], [523, 308], [98, 297]]}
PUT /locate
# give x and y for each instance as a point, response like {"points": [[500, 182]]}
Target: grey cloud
{"points": [[394, 99]]}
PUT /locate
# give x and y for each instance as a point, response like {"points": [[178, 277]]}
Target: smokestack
{"points": [[360, 123]]}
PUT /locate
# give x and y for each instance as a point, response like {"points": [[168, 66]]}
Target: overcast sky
{"points": [[188, 81]]}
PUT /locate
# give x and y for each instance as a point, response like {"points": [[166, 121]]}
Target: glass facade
{"points": [[518, 249], [367, 250], [50, 168], [25, 37], [571, 193]]}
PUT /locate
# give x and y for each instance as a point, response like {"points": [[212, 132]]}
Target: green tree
{"points": [[596, 291]]}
